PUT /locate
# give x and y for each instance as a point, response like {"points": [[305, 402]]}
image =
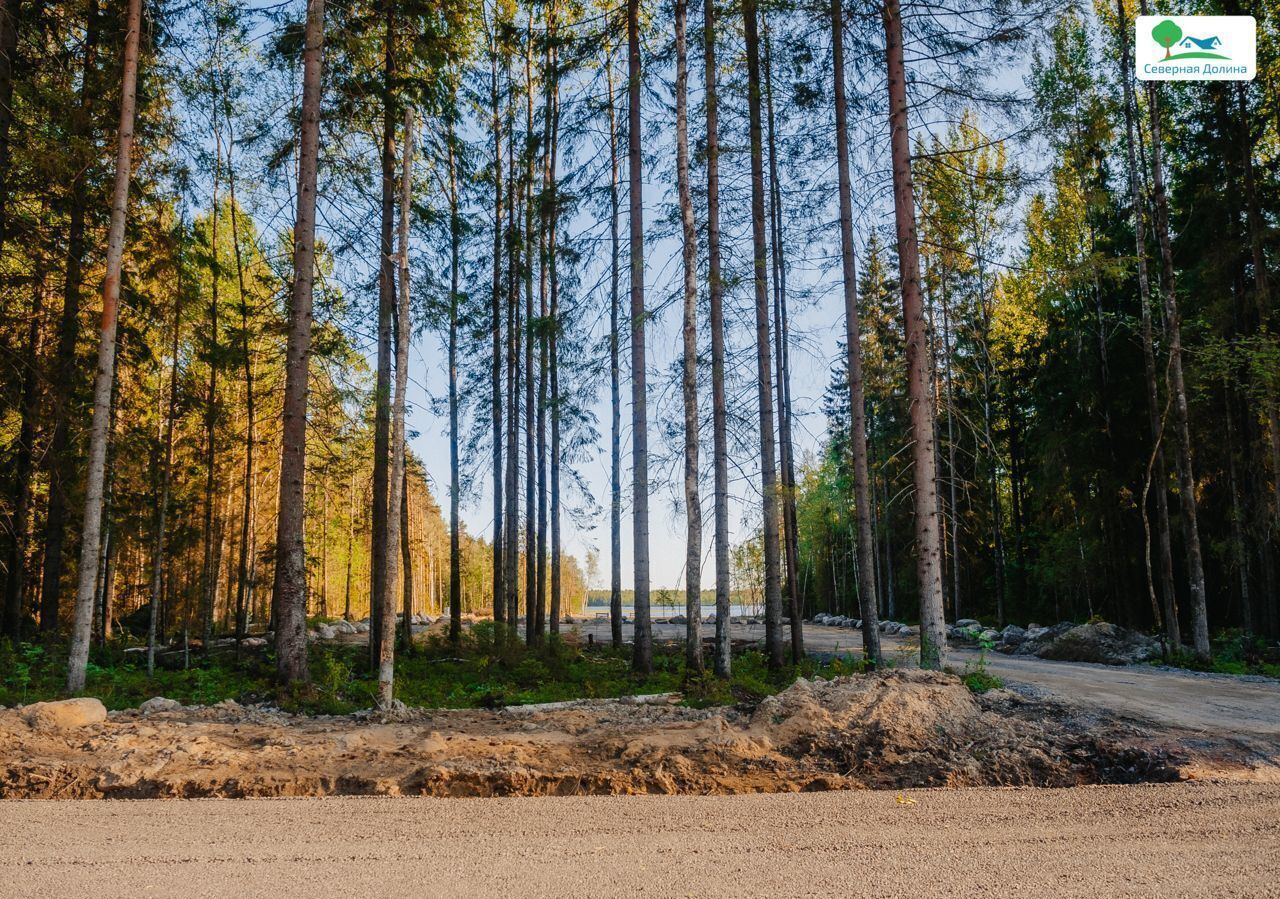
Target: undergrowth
{"points": [[480, 672]]}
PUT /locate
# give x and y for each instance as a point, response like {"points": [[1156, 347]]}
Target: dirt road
{"points": [[1217, 704], [1191, 840]]}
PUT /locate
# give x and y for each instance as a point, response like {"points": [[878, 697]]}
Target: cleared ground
{"points": [[1217, 704], [1192, 840]]}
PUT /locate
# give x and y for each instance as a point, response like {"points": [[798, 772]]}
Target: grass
{"points": [[1234, 652], [437, 675]]}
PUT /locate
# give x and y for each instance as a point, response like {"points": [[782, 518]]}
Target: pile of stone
{"points": [[1100, 641]]}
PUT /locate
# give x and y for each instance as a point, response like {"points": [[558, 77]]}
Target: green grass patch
{"points": [[480, 673]]}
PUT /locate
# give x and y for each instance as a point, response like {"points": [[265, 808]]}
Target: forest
{"points": [[966, 321]]}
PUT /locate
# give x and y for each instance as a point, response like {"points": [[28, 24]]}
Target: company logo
{"points": [[1196, 48]]}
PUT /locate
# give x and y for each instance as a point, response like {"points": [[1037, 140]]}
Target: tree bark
{"points": [[933, 635], [642, 651], [1173, 330], [289, 595], [209, 573], [455, 472], [1168, 595], [104, 380], [10, 19], [689, 380], [382, 625], [535, 612], [615, 391], [764, 377], [495, 329], [553, 324], [867, 602], [715, 289], [786, 468], [397, 522]]}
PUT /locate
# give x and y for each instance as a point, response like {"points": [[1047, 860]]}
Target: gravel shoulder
{"points": [[1180, 840]]}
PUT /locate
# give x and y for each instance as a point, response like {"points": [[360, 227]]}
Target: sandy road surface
{"points": [[1193, 840], [1219, 704]]}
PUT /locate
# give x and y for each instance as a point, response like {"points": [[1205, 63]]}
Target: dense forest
{"points": [[223, 228]]}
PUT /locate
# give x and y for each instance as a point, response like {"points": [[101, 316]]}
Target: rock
{"points": [[968, 622], [855, 623], [65, 714], [990, 635], [326, 632], [1012, 635], [158, 704], [676, 619], [254, 642], [908, 631], [1103, 642], [362, 627], [344, 627]]}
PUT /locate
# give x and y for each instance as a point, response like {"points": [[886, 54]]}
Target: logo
{"points": [[1196, 48]]}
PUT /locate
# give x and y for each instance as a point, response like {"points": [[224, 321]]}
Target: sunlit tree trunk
{"points": [[208, 570], [553, 323], [290, 592], [867, 601], [533, 598], [398, 500], [495, 330], [455, 468], [933, 635], [104, 381]]}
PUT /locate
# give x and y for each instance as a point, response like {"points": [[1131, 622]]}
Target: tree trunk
{"points": [[642, 652], [511, 560], [104, 381], [495, 329], [715, 289], [209, 574], [790, 539], [1173, 329], [867, 602], [764, 377], [455, 473], [397, 501], [553, 325], [933, 635], [1168, 595], [615, 391], [382, 625], [289, 595], [689, 381], [534, 610]]}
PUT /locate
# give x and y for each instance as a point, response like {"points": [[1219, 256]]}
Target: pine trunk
{"points": [[289, 595], [719, 424], [933, 635], [615, 379], [642, 651], [867, 601], [1181, 416]]}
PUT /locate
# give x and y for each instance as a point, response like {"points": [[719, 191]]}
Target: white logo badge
{"points": [[1196, 48]]}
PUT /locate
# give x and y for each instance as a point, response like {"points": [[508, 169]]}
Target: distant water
{"points": [[657, 611]]}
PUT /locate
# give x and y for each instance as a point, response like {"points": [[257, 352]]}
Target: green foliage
{"points": [[1167, 33]]}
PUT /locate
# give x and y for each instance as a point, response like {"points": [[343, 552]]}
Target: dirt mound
{"points": [[889, 729]]}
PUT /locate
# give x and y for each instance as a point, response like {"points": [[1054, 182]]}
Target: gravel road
{"points": [[1218, 704], [1192, 840]]}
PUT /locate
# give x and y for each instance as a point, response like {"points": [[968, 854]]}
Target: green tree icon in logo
{"points": [[1167, 33]]}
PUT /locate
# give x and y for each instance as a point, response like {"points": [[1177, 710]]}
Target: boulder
{"points": [[855, 623], [1012, 635], [326, 632], [65, 714], [362, 627], [157, 704], [968, 622], [1102, 642], [908, 631], [990, 635], [344, 627]]}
